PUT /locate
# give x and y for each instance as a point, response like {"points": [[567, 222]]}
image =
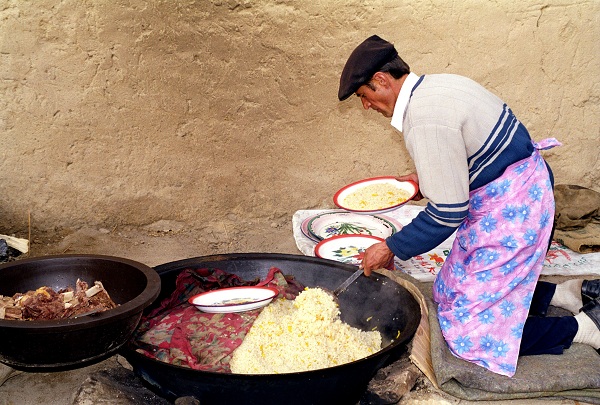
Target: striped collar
{"points": [[408, 86]]}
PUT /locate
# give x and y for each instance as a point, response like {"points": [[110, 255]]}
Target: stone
{"points": [[391, 383]]}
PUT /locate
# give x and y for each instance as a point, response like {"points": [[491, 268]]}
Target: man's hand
{"points": [[415, 178], [377, 256]]}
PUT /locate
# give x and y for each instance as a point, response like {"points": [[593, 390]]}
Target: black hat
{"points": [[363, 63]]}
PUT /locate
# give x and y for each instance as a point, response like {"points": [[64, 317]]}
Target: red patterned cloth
{"points": [[178, 333]]}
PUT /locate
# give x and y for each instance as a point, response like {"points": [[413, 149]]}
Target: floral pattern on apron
{"points": [[485, 287]]}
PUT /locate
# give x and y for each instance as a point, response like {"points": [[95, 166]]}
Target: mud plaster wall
{"points": [[130, 112]]}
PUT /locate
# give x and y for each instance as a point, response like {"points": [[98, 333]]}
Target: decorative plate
{"points": [[233, 299], [375, 195], [330, 224], [347, 249]]}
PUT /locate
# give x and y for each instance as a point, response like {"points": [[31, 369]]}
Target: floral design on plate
{"points": [[330, 224], [350, 254], [346, 228], [347, 249]]}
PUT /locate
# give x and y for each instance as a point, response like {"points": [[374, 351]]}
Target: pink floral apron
{"points": [[485, 287]]}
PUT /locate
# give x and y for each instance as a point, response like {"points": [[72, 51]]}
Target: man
{"points": [[486, 181]]}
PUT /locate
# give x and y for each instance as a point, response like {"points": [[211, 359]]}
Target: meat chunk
{"points": [[43, 303], [47, 304]]}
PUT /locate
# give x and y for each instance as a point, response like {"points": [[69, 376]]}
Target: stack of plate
{"points": [[344, 235]]}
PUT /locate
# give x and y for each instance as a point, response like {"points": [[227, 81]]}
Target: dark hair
{"points": [[396, 67]]}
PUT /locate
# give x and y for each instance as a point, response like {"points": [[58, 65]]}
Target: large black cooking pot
{"points": [[71, 343], [368, 302]]}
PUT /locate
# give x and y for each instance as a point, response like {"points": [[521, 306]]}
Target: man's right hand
{"points": [[377, 256]]}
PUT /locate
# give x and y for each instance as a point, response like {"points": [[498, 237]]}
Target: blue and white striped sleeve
{"points": [[440, 158]]}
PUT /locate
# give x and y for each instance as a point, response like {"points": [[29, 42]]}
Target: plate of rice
{"points": [[375, 195], [233, 299]]}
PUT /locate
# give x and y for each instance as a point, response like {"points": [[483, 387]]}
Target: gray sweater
{"points": [[460, 137]]}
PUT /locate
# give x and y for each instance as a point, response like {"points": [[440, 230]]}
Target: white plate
{"points": [[233, 299], [330, 224], [407, 186], [347, 249]]}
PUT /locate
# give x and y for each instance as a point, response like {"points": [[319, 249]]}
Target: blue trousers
{"points": [[546, 335]]}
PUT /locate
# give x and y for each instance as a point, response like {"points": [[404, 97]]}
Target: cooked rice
{"points": [[375, 197], [300, 335]]}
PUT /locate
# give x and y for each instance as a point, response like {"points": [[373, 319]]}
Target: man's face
{"points": [[377, 97]]}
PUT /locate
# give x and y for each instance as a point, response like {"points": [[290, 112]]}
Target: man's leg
{"points": [[549, 335], [570, 295], [552, 335], [542, 296]]}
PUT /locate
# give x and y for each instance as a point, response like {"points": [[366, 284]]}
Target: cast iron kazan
{"points": [[367, 303], [72, 343]]}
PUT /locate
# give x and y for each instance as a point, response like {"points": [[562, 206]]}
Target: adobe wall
{"points": [[225, 111]]}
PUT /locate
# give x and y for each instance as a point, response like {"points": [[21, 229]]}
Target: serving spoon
{"points": [[335, 293], [347, 282]]}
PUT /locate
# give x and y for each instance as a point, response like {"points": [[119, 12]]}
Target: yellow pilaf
{"points": [[300, 335], [375, 197]]}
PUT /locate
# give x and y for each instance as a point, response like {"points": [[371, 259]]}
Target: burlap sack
{"points": [[577, 218]]}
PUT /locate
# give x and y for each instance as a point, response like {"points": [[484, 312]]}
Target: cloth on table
{"points": [[577, 218], [423, 267], [560, 260], [572, 375], [178, 333]]}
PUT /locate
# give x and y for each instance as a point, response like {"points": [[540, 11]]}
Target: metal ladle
{"points": [[335, 293]]}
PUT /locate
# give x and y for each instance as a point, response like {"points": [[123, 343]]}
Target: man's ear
{"points": [[381, 78]]}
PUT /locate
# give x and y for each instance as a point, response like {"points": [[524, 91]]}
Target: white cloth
{"points": [[560, 260]]}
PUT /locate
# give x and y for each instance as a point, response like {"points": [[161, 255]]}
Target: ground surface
{"points": [[160, 243]]}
